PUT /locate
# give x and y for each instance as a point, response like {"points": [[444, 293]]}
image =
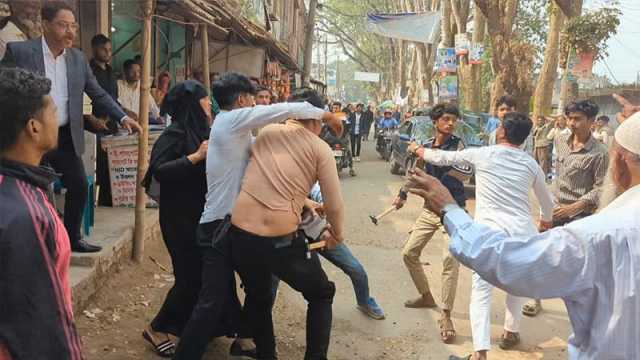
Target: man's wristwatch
{"points": [[446, 209]]}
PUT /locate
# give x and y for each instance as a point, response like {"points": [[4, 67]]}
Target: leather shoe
{"points": [[84, 247]]}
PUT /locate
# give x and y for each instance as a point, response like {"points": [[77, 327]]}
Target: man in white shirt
{"points": [[591, 263], [227, 158], [22, 25], [504, 176], [129, 91]]}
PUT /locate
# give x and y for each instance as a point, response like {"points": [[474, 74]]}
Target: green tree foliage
{"points": [[590, 31]]}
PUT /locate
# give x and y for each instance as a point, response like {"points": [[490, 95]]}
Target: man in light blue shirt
{"points": [[593, 264], [388, 121]]}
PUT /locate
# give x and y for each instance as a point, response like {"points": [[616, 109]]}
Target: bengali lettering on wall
{"points": [[123, 167]]}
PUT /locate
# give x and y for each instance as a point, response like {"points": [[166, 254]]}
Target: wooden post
{"points": [[204, 39], [143, 139]]}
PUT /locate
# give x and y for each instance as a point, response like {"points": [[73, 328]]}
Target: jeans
{"points": [[356, 144], [256, 258], [342, 258]]}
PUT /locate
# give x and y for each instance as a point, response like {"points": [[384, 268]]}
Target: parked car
{"points": [[420, 129]]}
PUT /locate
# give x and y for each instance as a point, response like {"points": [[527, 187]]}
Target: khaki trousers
{"points": [[425, 227], [543, 157]]}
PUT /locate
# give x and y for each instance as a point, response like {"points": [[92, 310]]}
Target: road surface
{"points": [[131, 298]]}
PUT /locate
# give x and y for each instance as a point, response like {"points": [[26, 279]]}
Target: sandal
{"points": [[510, 341], [532, 308], [447, 332], [165, 349]]}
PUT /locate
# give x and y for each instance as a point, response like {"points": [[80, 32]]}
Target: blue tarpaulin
{"points": [[419, 27]]}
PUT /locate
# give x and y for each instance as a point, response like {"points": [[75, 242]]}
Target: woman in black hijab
{"points": [[177, 180]]}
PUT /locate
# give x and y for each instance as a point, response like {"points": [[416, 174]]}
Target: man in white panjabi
{"points": [[592, 264], [504, 176]]}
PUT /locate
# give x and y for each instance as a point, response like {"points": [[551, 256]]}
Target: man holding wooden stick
{"points": [[444, 118]]}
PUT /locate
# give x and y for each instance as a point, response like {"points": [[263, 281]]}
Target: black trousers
{"points": [[74, 178], [256, 258], [218, 311], [179, 234], [356, 143], [102, 176]]}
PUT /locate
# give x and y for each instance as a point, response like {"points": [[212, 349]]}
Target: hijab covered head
{"points": [[189, 126], [183, 104]]}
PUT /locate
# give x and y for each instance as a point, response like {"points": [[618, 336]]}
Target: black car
{"points": [[420, 129]]}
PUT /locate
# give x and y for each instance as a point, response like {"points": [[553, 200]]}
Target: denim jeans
{"points": [[342, 258]]}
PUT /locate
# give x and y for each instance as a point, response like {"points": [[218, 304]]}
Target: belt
{"points": [[279, 241]]}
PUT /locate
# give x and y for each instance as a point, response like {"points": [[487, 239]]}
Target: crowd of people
{"points": [[247, 185]]}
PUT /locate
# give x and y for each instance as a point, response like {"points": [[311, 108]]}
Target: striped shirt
{"points": [[580, 172]]}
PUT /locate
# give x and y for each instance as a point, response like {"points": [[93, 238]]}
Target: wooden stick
{"points": [[317, 245], [143, 138]]}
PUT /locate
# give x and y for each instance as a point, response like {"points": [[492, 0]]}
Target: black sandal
{"points": [[165, 349]]}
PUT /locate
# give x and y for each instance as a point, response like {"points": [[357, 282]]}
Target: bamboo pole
{"points": [[205, 58], [143, 139]]}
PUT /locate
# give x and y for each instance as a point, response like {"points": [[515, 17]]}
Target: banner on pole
{"points": [[448, 88], [366, 76], [462, 44], [419, 27], [446, 60], [476, 54]]}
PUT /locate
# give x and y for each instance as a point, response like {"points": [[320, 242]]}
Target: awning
{"points": [[419, 27], [217, 14]]}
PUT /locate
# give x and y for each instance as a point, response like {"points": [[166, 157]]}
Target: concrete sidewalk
{"points": [[114, 232]]}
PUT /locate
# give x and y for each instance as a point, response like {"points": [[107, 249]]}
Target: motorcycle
{"points": [[383, 143], [341, 151]]}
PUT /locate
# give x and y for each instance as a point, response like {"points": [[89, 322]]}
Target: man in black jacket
{"points": [[36, 315], [357, 125], [54, 57], [445, 117]]}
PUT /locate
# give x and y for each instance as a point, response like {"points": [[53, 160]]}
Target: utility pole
{"points": [[318, 47], [143, 139], [205, 57]]}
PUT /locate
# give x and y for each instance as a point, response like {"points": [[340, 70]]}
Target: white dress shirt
{"points": [[357, 124], [10, 33], [56, 71], [230, 148], [593, 264], [504, 176], [129, 98]]}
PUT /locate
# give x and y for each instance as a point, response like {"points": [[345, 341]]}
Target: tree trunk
{"points": [[512, 59], [548, 74], [308, 42], [447, 36], [473, 98], [568, 88]]}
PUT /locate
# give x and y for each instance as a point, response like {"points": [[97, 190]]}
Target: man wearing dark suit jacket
{"points": [[53, 56], [356, 123], [368, 120]]}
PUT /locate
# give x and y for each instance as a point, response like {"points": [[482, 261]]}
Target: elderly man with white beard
{"points": [[593, 264]]}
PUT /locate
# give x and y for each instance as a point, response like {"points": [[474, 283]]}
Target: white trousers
{"points": [[480, 313]]}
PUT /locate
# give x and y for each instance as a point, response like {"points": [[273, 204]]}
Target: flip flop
{"points": [[446, 326], [165, 349]]}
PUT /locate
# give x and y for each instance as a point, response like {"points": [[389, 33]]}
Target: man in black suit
{"points": [[368, 120], [356, 130], [53, 56]]}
